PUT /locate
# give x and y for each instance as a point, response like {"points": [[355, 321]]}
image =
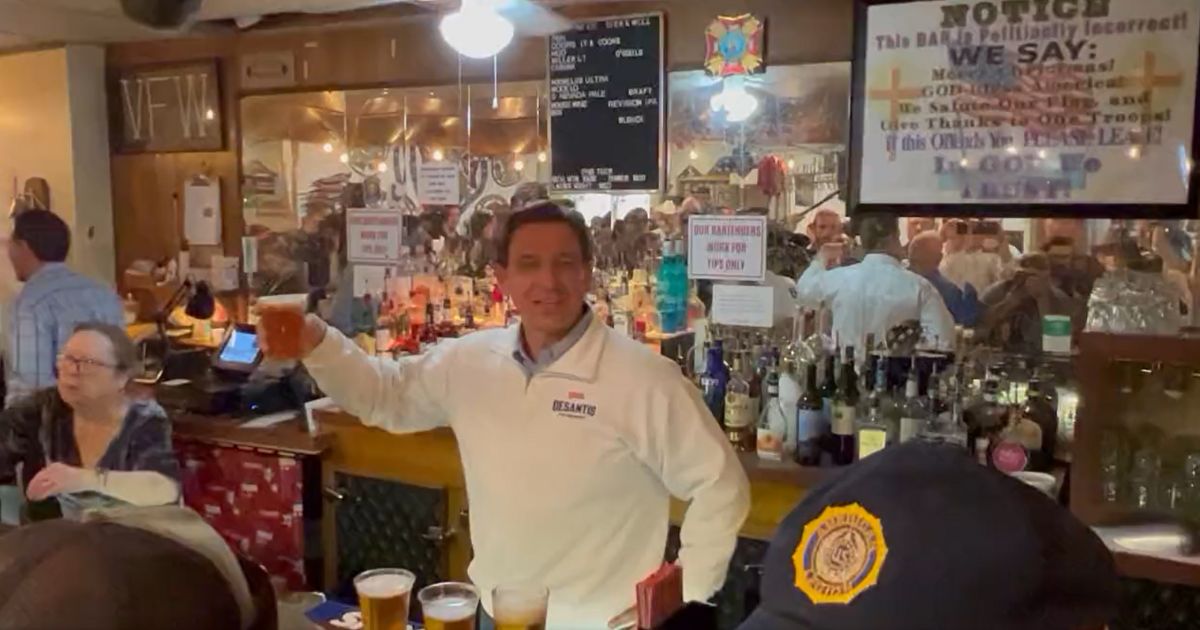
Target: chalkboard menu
{"points": [[606, 105]]}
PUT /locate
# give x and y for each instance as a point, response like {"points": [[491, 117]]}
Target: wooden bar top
{"points": [[289, 436]]}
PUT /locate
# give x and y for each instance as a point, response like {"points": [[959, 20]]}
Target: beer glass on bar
{"points": [[383, 597], [449, 606], [520, 607], [281, 324]]}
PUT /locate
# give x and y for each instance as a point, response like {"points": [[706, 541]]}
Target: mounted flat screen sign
{"points": [[1026, 108], [606, 105]]}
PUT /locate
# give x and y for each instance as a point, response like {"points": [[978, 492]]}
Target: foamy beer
{"points": [[383, 596], [520, 607], [449, 606], [281, 323]]}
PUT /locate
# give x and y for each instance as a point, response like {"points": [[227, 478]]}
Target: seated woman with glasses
{"points": [[86, 436]]}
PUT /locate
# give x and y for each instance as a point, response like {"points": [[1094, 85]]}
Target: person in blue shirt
{"points": [[924, 256]]}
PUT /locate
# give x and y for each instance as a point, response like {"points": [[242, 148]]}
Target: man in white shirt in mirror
{"points": [[878, 294]]}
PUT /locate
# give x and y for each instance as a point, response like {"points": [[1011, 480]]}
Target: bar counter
{"points": [[343, 449]]}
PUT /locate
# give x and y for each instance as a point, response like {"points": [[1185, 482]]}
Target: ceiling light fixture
{"points": [[542, 157], [344, 158], [738, 104], [438, 155], [476, 30], [382, 167], [327, 147]]}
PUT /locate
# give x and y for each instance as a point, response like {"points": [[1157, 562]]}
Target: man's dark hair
{"points": [[545, 212], [47, 235], [875, 229], [1058, 241]]}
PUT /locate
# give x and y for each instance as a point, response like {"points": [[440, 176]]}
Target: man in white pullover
{"points": [[573, 438]]}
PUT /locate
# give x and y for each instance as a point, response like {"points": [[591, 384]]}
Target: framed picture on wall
{"points": [[990, 108]]}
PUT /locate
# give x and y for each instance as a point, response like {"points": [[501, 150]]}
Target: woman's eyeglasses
{"points": [[82, 365]]}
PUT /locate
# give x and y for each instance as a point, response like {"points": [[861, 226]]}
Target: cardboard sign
{"points": [[727, 248], [373, 236], [438, 184]]}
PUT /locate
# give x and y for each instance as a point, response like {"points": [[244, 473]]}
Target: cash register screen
{"points": [[240, 350]]}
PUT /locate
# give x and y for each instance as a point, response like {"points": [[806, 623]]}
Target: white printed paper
{"points": [[727, 248], [743, 305], [202, 212], [438, 184]]}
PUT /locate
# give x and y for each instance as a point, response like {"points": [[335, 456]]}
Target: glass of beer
{"points": [[520, 607], [449, 606], [281, 324], [383, 596]]}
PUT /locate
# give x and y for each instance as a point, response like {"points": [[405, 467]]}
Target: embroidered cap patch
{"points": [[840, 554]]}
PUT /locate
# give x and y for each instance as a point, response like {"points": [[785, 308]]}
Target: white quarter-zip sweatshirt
{"points": [[569, 472]]}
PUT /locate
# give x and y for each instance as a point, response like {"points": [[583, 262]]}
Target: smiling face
{"points": [[547, 276]]}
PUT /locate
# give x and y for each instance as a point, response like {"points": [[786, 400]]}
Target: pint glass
{"points": [[281, 323], [383, 596], [449, 606], [520, 607]]}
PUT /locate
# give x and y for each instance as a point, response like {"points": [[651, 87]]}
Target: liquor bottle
{"points": [[670, 317], [844, 405], [772, 423], [829, 387], [812, 426], [1038, 409], [789, 397], [715, 381], [917, 409], [872, 432], [696, 312], [755, 377], [739, 409]]}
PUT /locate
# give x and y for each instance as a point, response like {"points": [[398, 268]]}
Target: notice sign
{"points": [[1026, 102], [373, 236], [727, 248], [438, 185], [742, 305]]}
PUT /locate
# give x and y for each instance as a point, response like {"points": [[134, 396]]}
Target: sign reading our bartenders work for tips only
{"points": [[1026, 107], [727, 248]]}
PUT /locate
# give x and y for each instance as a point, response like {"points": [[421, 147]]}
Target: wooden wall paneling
{"points": [[356, 51]]}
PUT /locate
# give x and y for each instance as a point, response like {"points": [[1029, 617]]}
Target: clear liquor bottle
{"points": [[873, 432], [917, 409], [772, 423]]}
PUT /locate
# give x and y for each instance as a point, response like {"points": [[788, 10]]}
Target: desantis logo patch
{"points": [[576, 406], [840, 554]]}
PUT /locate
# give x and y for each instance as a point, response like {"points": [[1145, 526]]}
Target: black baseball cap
{"points": [[104, 576], [919, 536]]}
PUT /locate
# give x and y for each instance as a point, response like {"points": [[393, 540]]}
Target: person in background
{"points": [[924, 256], [573, 437], [874, 296], [86, 434], [52, 303], [1014, 308], [1074, 274], [826, 228], [965, 260], [921, 537], [914, 226], [120, 574]]}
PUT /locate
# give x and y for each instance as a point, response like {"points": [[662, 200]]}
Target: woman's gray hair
{"points": [[125, 354]]}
